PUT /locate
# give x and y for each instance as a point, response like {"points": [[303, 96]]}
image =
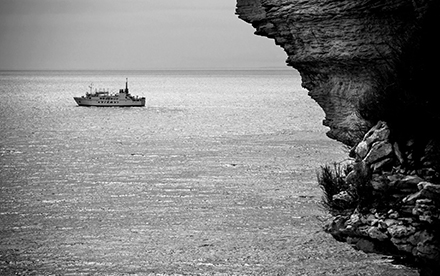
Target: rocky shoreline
{"points": [[400, 217], [369, 65]]}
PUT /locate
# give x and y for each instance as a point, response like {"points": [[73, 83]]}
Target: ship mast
{"points": [[126, 85]]}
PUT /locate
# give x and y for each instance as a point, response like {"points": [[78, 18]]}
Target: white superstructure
{"points": [[103, 98]]}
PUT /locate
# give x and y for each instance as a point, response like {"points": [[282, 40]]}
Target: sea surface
{"points": [[215, 176]]}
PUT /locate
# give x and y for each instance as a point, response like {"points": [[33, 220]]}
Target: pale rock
{"points": [[389, 222], [354, 220], [401, 231], [408, 182], [378, 215], [412, 197], [393, 215], [375, 233], [361, 150], [431, 191], [379, 151], [380, 132], [370, 219], [343, 198], [398, 153], [378, 166], [422, 184], [375, 222]]}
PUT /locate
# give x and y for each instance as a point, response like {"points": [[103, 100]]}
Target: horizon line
{"points": [[162, 69]]}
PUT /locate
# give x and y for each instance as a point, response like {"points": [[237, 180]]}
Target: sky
{"points": [[130, 35]]}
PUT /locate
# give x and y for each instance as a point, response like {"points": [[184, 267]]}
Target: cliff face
{"points": [[371, 66], [339, 47]]}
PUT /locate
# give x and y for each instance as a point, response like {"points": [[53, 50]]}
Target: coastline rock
{"points": [[379, 151], [361, 150], [367, 64], [343, 199], [377, 234], [380, 165], [339, 48], [429, 190], [380, 132], [405, 229]]}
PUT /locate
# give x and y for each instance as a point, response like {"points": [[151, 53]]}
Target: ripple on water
{"points": [[215, 175]]}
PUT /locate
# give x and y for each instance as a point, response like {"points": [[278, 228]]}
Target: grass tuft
{"points": [[331, 180]]}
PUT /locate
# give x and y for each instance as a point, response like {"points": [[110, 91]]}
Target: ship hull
{"points": [[93, 102], [104, 99]]}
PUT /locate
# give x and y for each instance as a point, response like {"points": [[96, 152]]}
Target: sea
{"points": [[216, 175]]}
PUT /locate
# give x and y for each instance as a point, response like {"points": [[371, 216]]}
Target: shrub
{"points": [[331, 180]]}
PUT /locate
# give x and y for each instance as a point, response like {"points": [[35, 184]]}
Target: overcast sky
{"points": [[130, 34]]}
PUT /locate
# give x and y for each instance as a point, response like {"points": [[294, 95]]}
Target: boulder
{"points": [[343, 199], [398, 231], [382, 165], [408, 184], [375, 233], [380, 132], [430, 191], [361, 150], [379, 151]]}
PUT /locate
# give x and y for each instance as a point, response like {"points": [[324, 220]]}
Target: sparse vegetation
{"points": [[331, 179]]}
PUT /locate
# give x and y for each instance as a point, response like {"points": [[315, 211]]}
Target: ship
{"points": [[103, 98]]}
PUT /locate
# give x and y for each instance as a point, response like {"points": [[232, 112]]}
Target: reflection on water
{"points": [[215, 175]]}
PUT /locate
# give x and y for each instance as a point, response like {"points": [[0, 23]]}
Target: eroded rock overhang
{"points": [[340, 48], [372, 66]]}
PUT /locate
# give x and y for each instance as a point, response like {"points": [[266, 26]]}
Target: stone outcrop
{"points": [[341, 48], [398, 211], [371, 66]]}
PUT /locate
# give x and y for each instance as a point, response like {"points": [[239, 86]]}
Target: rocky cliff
{"points": [[341, 48], [369, 62]]}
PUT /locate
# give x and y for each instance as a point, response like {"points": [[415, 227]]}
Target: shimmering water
{"points": [[216, 175]]}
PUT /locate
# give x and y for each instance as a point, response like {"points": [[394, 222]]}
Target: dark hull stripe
{"points": [[111, 105]]}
